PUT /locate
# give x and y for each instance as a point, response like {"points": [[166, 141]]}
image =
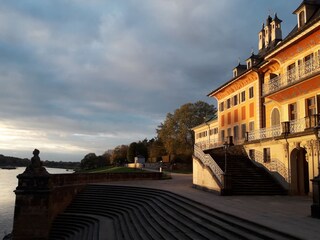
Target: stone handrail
{"points": [[208, 161]]}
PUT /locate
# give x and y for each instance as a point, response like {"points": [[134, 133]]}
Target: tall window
{"points": [[228, 103], [275, 117], [292, 111], [308, 64], [243, 96], [251, 126], [311, 106], [291, 72], [235, 100], [243, 130], [222, 136], [221, 106], [251, 94], [229, 132], [266, 155], [236, 132]]}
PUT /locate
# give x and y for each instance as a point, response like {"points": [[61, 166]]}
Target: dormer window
{"points": [[301, 19], [235, 73], [249, 63]]}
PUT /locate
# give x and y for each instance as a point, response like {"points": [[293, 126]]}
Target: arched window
{"points": [[275, 117]]}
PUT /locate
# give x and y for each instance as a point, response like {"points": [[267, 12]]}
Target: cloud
{"points": [[85, 76]]}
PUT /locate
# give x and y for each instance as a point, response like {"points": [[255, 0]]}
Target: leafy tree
{"points": [[119, 154], [106, 157], [156, 149], [137, 148], [132, 151], [176, 133], [91, 161]]}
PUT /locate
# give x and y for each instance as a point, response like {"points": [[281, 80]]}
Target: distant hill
{"points": [[23, 162]]}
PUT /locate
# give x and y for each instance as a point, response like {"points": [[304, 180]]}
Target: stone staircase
{"points": [[121, 212], [247, 178]]}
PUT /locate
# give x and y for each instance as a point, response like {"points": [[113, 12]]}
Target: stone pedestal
{"points": [[32, 218], [227, 185]]}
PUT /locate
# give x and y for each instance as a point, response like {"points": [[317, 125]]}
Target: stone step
{"points": [[68, 226], [175, 227], [143, 213], [137, 218], [188, 210]]}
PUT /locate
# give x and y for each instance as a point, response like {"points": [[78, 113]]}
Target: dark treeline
{"points": [[23, 162], [60, 164], [13, 161]]}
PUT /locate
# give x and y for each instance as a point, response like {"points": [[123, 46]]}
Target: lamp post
{"points": [[315, 207], [225, 146], [226, 176]]}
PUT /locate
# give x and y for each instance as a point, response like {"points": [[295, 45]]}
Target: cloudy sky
{"points": [[79, 76]]}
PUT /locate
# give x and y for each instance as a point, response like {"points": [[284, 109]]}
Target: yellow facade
{"points": [[271, 106], [206, 134]]}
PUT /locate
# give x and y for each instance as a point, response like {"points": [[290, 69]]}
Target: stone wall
{"points": [[39, 199]]}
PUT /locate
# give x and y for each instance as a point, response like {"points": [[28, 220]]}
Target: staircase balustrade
{"points": [[273, 166], [208, 161]]}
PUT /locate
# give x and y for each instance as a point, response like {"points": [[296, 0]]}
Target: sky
{"points": [[79, 76]]}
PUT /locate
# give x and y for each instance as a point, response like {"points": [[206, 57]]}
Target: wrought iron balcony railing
{"points": [[292, 76], [285, 128], [293, 126]]}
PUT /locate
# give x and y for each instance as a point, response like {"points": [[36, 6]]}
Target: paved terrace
{"points": [[290, 214]]}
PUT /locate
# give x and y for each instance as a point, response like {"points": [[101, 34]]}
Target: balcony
{"points": [[292, 76], [286, 128]]}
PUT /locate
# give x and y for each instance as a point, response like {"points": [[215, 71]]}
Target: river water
{"points": [[8, 183]]}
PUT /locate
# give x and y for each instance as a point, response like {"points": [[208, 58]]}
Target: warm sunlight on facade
{"points": [[271, 106]]}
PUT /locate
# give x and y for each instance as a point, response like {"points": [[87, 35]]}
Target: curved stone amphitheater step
{"points": [[124, 212]]}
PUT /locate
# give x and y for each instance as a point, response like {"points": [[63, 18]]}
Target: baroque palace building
{"points": [[270, 108]]}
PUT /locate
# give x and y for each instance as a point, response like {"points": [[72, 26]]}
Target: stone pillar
{"points": [[31, 213], [32, 218], [227, 187], [315, 207]]}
